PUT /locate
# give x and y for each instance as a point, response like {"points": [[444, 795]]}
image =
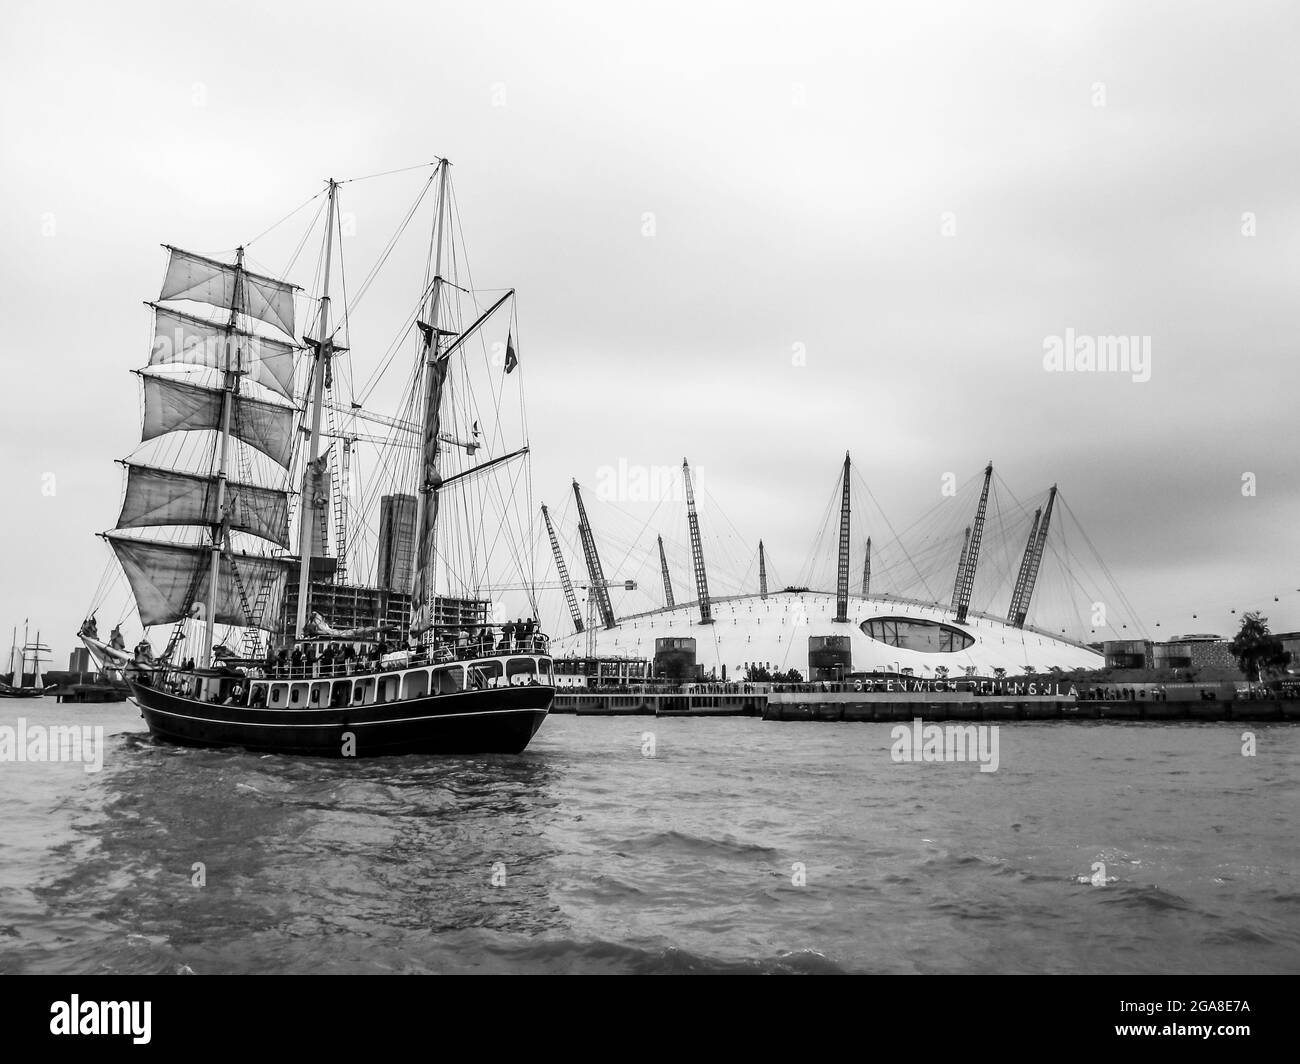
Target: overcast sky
{"points": [[916, 197]]}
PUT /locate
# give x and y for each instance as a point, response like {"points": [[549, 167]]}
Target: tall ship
{"points": [[247, 507], [33, 653]]}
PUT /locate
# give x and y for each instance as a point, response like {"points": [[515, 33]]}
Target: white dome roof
{"points": [[775, 632]]}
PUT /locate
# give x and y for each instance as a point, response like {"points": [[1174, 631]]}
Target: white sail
{"points": [[165, 497], [203, 280], [170, 579], [189, 340], [174, 406]]}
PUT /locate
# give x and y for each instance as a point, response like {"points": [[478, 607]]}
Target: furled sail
{"points": [[426, 545], [174, 406], [191, 276], [168, 579], [184, 338], [165, 497], [317, 626]]}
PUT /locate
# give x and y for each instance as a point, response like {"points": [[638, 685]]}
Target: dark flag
{"points": [[511, 360], [426, 331]]}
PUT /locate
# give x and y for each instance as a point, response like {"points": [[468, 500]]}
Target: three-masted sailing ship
{"points": [[17, 685], [323, 667]]}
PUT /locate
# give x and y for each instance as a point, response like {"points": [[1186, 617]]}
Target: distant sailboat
{"points": [[18, 687], [450, 681]]}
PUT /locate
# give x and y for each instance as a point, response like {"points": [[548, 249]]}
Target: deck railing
{"points": [[330, 666]]}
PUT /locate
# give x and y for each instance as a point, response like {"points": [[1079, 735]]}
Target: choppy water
{"points": [[617, 862]]}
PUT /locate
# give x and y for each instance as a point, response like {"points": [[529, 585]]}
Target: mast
{"points": [[842, 571], [1019, 590], [961, 568], [668, 584], [427, 504], [866, 571], [966, 576], [569, 596], [762, 571], [697, 550], [306, 502], [1022, 607], [230, 382], [594, 571]]}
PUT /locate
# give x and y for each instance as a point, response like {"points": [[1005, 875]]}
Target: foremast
{"points": [[220, 530], [170, 578]]}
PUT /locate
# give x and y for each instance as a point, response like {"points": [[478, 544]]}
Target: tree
{"points": [[1256, 648], [757, 674]]}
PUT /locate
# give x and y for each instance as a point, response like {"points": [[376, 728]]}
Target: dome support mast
{"points": [[842, 570]]}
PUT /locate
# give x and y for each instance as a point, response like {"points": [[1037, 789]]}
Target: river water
{"points": [[738, 846]]}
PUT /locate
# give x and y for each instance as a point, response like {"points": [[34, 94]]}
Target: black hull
{"points": [[495, 721]]}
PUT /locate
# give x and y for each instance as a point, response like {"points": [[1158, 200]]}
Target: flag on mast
{"points": [[511, 360]]}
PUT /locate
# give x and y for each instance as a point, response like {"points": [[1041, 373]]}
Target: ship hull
{"points": [[496, 721]]}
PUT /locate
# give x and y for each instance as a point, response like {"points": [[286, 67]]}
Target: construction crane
{"points": [[866, 571], [762, 571]]}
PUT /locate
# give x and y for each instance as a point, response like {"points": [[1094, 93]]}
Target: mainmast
{"points": [[435, 371], [320, 360]]}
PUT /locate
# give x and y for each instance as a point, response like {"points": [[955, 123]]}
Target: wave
{"points": [[695, 844], [569, 955]]}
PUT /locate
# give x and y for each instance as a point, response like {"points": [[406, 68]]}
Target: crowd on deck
{"points": [[449, 644]]}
